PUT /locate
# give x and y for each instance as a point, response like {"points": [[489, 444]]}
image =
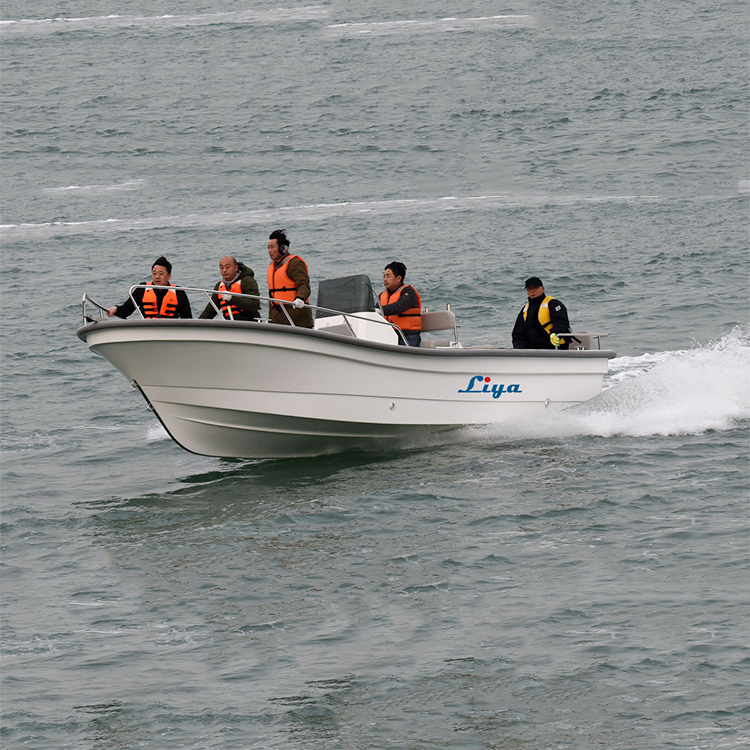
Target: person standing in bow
{"points": [[166, 302], [288, 282]]}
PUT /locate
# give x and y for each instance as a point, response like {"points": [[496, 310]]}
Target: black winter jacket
{"points": [[529, 333]]}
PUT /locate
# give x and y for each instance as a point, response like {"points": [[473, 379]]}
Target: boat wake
{"points": [[687, 392]]}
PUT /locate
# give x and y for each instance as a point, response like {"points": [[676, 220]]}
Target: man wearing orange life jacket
{"points": [[541, 320], [288, 281], [401, 304], [153, 302], [236, 278]]}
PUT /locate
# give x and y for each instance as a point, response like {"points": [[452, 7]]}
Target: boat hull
{"points": [[254, 390]]}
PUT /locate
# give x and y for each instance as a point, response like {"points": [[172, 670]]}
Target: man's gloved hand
{"points": [[226, 297], [298, 303], [555, 340]]}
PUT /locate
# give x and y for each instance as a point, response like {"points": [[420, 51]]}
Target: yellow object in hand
{"points": [[555, 340]]}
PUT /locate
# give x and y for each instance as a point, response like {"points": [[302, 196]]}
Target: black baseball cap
{"points": [[532, 282]]}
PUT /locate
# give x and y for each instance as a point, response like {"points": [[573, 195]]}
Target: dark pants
{"points": [[413, 338]]}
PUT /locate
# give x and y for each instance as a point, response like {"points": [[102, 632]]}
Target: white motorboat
{"points": [[254, 389]]}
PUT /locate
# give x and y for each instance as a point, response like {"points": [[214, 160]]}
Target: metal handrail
{"points": [[597, 336], [86, 317], [283, 304], [581, 333]]}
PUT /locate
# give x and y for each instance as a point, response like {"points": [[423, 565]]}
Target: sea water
{"points": [[577, 580]]}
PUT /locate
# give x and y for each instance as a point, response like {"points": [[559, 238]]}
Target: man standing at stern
{"points": [[288, 281], [401, 304], [236, 278], [541, 320]]}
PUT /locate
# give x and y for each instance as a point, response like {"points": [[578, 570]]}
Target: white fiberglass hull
{"points": [[253, 390]]}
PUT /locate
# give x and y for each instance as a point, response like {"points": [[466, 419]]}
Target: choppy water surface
{"points": [[574, 581]]}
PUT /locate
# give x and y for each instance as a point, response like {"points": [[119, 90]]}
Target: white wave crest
{"points": [[426, 26], [34, 27], [314, 212], [686, 392], [98, 189]]}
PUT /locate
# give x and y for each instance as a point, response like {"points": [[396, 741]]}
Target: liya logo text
{"points": [[484, 384]]}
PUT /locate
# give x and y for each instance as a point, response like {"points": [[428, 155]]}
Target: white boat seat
{"points": [[584, 341], [439, 320], [587, 340], [435, 343]]}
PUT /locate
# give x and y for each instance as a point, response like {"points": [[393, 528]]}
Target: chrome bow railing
{"points": [[211, 293], [87, 317]]}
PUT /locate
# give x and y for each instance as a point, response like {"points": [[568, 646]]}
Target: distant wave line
{"points": [[55, 25], [95, 189], [312, 212], [439, 24]]}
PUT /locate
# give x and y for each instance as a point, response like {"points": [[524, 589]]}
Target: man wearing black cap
{"points": [[541, 320], [156, 298]]}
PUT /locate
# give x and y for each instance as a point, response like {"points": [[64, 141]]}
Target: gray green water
{"points": [[573, 582]]}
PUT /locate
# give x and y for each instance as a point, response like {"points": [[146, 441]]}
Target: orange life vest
{"points": [[236, 288], [168, 304], [411, 318], [280, 286]]}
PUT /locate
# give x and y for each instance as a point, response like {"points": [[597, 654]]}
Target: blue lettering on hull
{"points": [[483, 384]]}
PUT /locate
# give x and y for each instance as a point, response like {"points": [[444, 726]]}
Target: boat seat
{"points": [[435, 343], [585, 341], [439, 320]]}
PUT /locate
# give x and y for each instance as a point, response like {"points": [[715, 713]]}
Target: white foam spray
{"points": [[156, 432], [685, 392]]}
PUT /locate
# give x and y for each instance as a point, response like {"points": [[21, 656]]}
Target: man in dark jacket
{"points": [[168, 302], [401, 304], [236, 278], [542, 318]]}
